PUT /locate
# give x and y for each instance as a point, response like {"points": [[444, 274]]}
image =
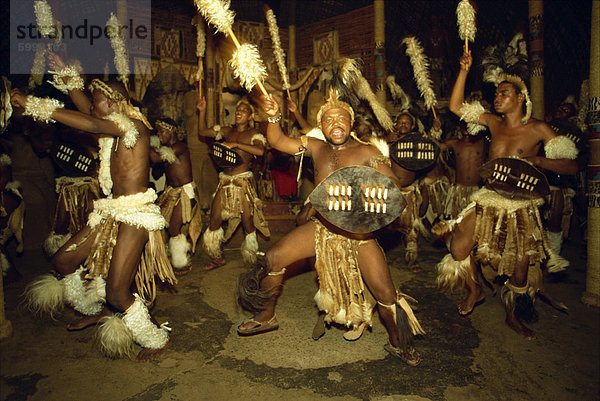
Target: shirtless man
{"points": [[364, 259], [410, 220], [468, 157], [122, 229], [235, 199], [512, 249], [178, 201]]}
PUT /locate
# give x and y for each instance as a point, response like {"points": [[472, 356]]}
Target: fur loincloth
{"points": [[77, 195], [506, 230], [234, 189], [457, 199], [437, 189], [191, 216], [138, 210], [342, 293], [14, 223]]}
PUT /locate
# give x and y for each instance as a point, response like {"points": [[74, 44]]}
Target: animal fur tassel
{"points": [[200, 46], [353, 78], [277, 50], [118, 44], [465, 19], [398, 93], [217, 13], [420, 64]]}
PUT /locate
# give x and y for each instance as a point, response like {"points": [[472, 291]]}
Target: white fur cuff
{"points": [[561, 147], [145, 333]]}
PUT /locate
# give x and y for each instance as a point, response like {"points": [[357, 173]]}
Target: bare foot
{"points": [[514, 323], [213, 264], [149, 354], [410, 356], [472, 299], [84, 321]]}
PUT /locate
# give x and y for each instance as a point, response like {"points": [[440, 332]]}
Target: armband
{"points": [[41, 109], [560, 147], [274, 120]]}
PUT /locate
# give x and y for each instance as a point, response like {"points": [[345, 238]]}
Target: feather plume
{"points": [[43, 17], [200, 45], [420, 64], [248, 66], [363, 90], [465, 19], [350, 71], [398, 93], [118, 44], [217, 13], [277, 50], [511, 59], [37, 69]]}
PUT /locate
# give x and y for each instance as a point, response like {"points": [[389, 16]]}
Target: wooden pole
{"points": [[5, 325], [536, 56], [211, 76], [591, 296], [379, 21]]}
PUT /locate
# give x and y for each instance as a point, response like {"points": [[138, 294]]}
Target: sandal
{"points": [[261, 327], [183, 271], [213, 264], [411, 357]]}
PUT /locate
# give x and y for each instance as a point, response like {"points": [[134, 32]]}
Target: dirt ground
{"points": [[463, 359]]}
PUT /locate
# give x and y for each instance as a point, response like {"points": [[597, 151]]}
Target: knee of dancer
{"points": [[273, 256]]}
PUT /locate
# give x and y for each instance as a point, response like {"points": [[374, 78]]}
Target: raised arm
{"points": [[72, 118], [457, 97], [275, 136], [78, 97], [203, 130], [293, 107]]}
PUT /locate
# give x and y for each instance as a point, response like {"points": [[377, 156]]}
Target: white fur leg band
{"points": [[179, 248], [211, 241], [115, 339], [452, 273], [249, 248], [86, 296], [145, 333]]}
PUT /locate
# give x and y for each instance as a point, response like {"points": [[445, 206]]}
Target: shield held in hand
{"points": [[358, 199], [223, 156]]}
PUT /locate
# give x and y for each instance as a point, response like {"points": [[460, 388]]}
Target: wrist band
{"points": [[274, 120]]}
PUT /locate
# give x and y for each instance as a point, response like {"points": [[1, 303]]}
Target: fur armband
{"points": [[126, 126], [218, 134], [560, 147], [475, 128], [41, 109], [260, 138], [5, 160], [470, 112], [380, 144], [435, 133], [155, 142], [75, 81], [167, 154]]}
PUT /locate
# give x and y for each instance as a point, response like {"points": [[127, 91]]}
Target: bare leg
{"points": [[214, 225], [123, 267], [461, 246], [375, 272], [519, 279], [298, 244]]}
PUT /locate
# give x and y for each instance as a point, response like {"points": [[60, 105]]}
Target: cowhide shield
{"points": [[5, 106], [75, 161], [358, 199], [414, 152], [222, 156], [514, 178]]}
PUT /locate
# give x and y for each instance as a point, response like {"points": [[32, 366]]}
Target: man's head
{"points": [[244, 113], [107, 97], [166, 129], [336, 118], [564, 111], [512, 94], [405, 122]]}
